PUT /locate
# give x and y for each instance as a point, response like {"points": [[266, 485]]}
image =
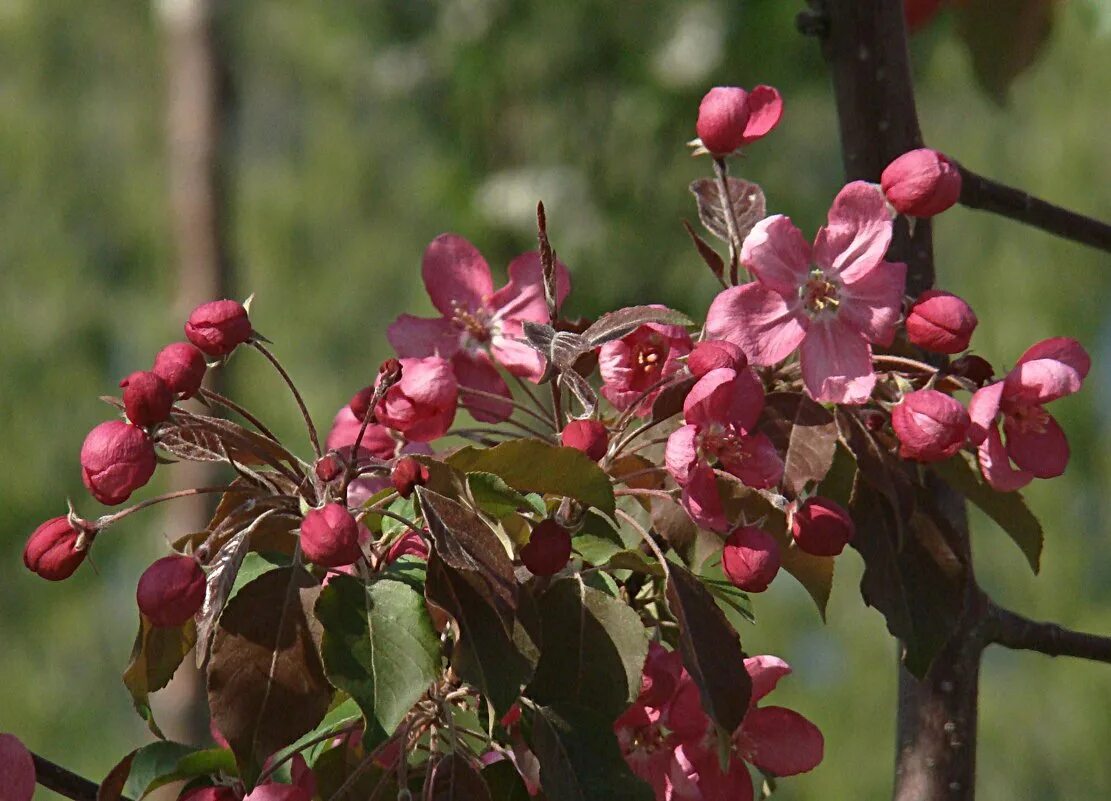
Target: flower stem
{"points": [[721, 171], [107, 520], [270, 357]]}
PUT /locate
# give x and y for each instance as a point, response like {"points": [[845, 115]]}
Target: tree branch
{"points": [[978, 192], [1012, 630], [64, 782]]}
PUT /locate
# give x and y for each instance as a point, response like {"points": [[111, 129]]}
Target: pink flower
{"points": [[633, 365], [182, 367], [1050, 369], [941, 322], [330, 536], [147, 399], [171, 590], [116, 459], [721, 411], [730, 118], [589, 436], [931, 426], [408, 474], [831, 300], [52, 551], [714, 353], [921, 183], [408, 544], [821, 527], [750, 558], [478, 326], [218, 327], [303, 787], [421, 406]]}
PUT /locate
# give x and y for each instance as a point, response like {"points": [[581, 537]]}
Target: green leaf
{"points": [[1008, 509], [580, 759], [341, 716], [163, 762], [334, 768], [405, 507], [711, 649], [266, 683], [594, 650], [529, 465], [379, 646], [498, 499], [155, 658], [455, 778]]}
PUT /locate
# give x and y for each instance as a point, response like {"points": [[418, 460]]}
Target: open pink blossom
{"points": [[730, 117], [1035, 445], [720, 412], [421, 406], [632, 366], [478, 327], [832, 301]]}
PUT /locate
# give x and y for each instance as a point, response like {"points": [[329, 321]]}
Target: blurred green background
{"points": [[361, 130]]}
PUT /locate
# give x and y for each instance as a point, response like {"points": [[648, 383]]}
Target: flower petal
{"points": [[515, 356], [995, 464], [455, 273], [765, 671], [523, 297], [759, 321], [696, 775], [681, 453], [755, 461], [417, 337], [777, 254], [873, 302], [858, 232], [1042, 380], [1044, 453], [17, 769], [780, 741], [836, 363], [765, 108], [982, 410], [702, 501], [725, 396], [476, 371], [1062, 349]]}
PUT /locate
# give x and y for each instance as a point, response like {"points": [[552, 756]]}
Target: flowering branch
{"points": [[978, 192], [1012, 630], [64, 782]]}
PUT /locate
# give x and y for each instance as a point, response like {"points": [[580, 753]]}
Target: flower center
{"points": [[475, 325], [1029, 418], [821, 295], [649, 358]]}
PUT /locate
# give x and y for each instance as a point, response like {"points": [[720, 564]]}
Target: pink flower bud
{"points": [[930, 425], [330, 536], [940, 322], [17, 770], [921, 183], [214, 793], [182, 367], [146, 398], [729, 117], [328, 467], [407, 474], [408, 544], [52, 550], [589, 436], [116, 459], [360, 403], [218, 327], [750, 558], [821, 527], [548, 549], [171, 590], [715, 353]]}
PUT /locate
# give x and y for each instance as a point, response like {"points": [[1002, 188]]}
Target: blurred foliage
{"points": [[360, 132]]}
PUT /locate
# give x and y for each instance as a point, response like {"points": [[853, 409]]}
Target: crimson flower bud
{"points": [[218, 327], [389, 371], [328, 467], [750, 558], [722, 116], [548, 549], [976, 369], [589, 436], [940, 322], [715, 353], [171, 590], [921, 183], [17, 769], [182, 367], [408, 544], [52, 550], [360, 403], [931, 426], [330, 536], [116, 459], [214, 793], [407, 474], [821, 527], [146, 398]]}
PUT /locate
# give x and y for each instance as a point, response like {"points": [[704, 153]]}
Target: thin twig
{"points": [[1012, 630], [535, 399], [64, 782], [215, 397], [721, 172], [270, 357], [108, 520], [502, 399]]}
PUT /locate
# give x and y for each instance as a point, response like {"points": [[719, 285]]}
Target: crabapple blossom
{"points": [[147, 399], [921, 183], [548, 548], [408, 544], [821, 527], [303, 787], [479, 327], [750, 558], [730, 117], [219, 327], [832, 301], [17, 769], [714, 353], [931, 426], [328, 467], [589, 436], [330, 536], [171, 590], [633, 366], [940, 322], [181, 365], [421, 406], [1035, 443], [407, 474], [116, 459], [52, 549]]}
